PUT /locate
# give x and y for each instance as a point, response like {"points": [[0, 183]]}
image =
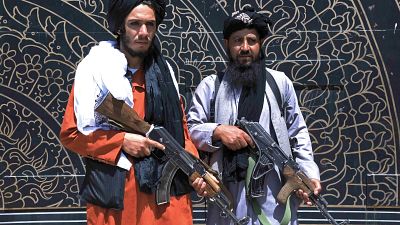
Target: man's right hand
{"points": [[232, 137], [138, 146]]}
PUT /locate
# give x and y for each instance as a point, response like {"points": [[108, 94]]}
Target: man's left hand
{"points": [[303, 195], [199, 185]]}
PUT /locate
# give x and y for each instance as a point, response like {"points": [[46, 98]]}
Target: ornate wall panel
{"points": [[341, 55]]}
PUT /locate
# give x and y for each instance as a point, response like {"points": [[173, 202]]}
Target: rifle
{"points": [[178, 158], [268, 151]]}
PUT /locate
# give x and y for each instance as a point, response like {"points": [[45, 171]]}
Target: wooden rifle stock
{"points": [[121, 113]]}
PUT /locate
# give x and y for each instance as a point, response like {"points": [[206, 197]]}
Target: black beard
{"points": [[245, 75], [124, 42]]}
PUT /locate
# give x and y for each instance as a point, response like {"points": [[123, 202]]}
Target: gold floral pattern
{"points": [[326, 48]]}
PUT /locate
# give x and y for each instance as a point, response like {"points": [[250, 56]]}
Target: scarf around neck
{"points": [[163, 108]]}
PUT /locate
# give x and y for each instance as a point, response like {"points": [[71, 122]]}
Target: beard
{"points": [[134, 53], [245, 75]]}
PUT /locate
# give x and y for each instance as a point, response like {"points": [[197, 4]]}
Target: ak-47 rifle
{"points": [[269, 152], [178, 157]]}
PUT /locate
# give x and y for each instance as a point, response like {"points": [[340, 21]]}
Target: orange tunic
{"points": [[139, 207]]}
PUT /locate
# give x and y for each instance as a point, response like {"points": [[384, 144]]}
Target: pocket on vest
{"points": [[103, 185]]}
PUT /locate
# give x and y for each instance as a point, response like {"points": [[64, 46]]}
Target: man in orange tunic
{"points": [[153, 95]]}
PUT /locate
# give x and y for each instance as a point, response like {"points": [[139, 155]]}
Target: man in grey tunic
{"points": [[244, 92]]}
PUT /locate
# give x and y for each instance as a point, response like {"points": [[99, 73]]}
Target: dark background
{"points": [[343, 57]]}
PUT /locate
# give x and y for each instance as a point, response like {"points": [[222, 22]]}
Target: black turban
{"points": [[247, 18], [118, 10]]}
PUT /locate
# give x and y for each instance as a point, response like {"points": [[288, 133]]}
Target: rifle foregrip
{"points": [[215, 187], [294, 181], [284, 193], [212, 187]]}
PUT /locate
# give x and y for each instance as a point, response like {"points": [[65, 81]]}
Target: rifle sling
{"points": [[256, 207]]}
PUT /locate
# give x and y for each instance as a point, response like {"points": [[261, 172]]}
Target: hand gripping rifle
{"points": [[178, 157], [268, 151]]}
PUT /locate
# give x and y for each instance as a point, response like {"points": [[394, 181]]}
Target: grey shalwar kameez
{"points": [[227, 100]]}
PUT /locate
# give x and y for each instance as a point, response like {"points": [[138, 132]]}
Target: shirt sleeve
{"points": [[101, 145], [297, 128], [201, 130], [189, 146]]}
